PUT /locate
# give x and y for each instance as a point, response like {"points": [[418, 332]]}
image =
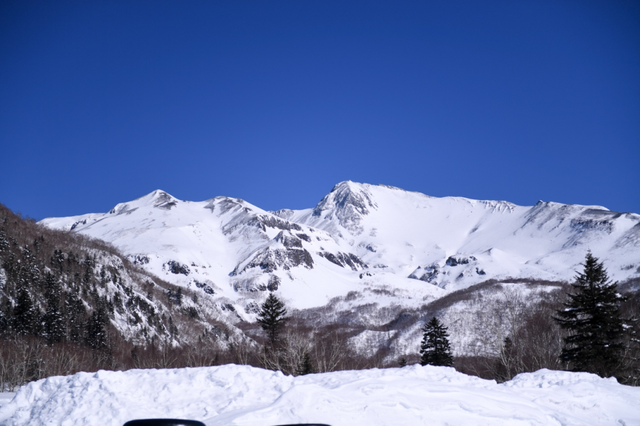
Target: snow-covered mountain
{"points": [[360, 236]]}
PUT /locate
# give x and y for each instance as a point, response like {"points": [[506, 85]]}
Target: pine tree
{"points": [[26, 316], [272, 318], [76, 315], [96, 330], [6, 312], [53, 321], [435, 349], [592, 317]]}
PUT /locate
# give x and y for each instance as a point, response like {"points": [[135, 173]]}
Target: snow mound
{"points": [[242, 395]]}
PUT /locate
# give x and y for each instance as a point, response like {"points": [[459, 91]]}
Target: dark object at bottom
{"points": [[163, 422], [179, 422]]}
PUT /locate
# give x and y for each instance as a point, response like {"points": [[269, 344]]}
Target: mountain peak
{"points": [[158, 199], [347, 185], [348, 202]]}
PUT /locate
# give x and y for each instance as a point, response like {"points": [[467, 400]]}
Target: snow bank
{"points": [[242, 395]]}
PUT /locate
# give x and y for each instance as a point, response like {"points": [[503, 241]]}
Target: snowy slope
{"points": [[359, 237], [231, 249], [455, 242], [241, 395]]}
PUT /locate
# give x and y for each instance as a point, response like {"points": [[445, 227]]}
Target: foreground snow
{"points": [[242, 395]]}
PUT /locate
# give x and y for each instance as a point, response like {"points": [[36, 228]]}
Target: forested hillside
{"points": [[70, 303]]}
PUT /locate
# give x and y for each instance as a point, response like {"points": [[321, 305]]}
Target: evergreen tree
{"points": [[435, 349], [96, 330], [53, 321], [26, 316], [5, 314], [76, 315], [272, 318], [592, 317]]}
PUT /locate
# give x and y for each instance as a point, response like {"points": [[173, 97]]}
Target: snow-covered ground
{"points": [[5, 397], [242, 395]]}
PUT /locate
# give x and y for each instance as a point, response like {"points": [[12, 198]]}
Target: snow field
{"points": [[247, 396]]}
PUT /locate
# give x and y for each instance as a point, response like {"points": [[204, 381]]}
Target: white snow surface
{"points": [[247, 396], [417, 247]]}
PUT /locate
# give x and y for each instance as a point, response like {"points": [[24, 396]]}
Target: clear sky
{"points": [[277, 101]]}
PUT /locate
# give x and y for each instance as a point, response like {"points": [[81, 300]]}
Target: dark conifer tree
{"points": [[435, 348], [4, 242], [5, 315], [96, 330], [76, 315], [53, 321], [592, 317], [26, 316], [57, 260], [272, 318]]}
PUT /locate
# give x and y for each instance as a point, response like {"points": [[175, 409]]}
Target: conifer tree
{"points": [[26, 315], [53, 321], [435, 348], [592, 317], [75, 314], [272, 318], [96, 336]]}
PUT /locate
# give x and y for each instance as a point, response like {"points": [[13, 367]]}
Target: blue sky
{"points": [[277, 101]]}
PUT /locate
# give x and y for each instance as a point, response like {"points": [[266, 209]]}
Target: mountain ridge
{"points": [[359, 236]]}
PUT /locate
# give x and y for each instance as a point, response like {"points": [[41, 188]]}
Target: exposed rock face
{"points": [[288, 240], [344, 260], [269, 260], [286, 214], [455, 261], [224, 204], [205, 287], [164, 201], [348, 203], [138, 259], [78, 223], [277, 223], [274, 283], [177, 268], [304, 237], [427, 274]]}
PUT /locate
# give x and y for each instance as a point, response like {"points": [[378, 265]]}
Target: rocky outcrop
{"points": [[344, 260], [348, 203]]}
